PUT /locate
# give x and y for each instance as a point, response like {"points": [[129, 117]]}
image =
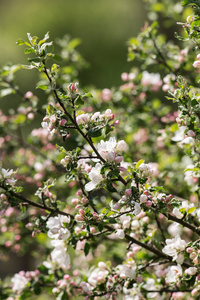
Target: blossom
{"points": [[174, 247], [153, 79], [19, 282], [107, 146], [150, 285], [106, 94], [122, 146], [95, 177], [56, 227], [179, 135], [120, 234], [174, 273], [59, 255], [125, 271], [82, 119], [97, 276], [191, 271]]}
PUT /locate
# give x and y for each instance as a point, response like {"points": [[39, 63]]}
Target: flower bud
{"points": [[111, 157], [143, 198], [79, 218], [75, 201], [62, 122], [81, 212], [118, 159], [128, 192], [92, 229]]}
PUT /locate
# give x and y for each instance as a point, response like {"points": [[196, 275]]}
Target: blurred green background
{"points": [[103, 26]]}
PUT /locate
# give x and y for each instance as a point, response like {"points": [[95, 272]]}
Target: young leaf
{"points": [[86, 248], [42, 87]]}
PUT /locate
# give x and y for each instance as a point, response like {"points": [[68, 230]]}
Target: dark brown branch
{"points": [[32, 203]]}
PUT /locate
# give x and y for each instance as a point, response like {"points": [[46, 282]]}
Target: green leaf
{"points": [[42, 87], [94, 132], [112, 220], [100, 227], [86, 248], [28, 67], [35, 60], [46, 37], [55, 68], [50, 109], [29, 50], [87, 95], [110, 213], [191, 169], [104, 210], [187, 2], [141, 161], [191, 209], [110, 187], [22, 42]]}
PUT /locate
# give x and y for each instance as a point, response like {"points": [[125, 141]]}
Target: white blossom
{"points": [[174, 247], [59, 254], [125, 271], [179, 135], [174, 273], [191, 271], [120, 234], [95, 177], [19, 282], [82, 119], [122, 146], [56, 227]]}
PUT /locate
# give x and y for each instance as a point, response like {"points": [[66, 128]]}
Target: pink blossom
{"points": [[106, 94]]}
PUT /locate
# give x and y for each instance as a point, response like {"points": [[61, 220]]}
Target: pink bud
{"points": [[92, 229], [77, 230], [46, 119], [196, 64], [116, 123], [148, 203], [193, 255], [28, 94], [3, 197], [75, 201], [66, 277], [118, 159], [124, 76], [79, 218], [84, 200], [128, 192], [72, 87], [130, 254], [29, 226], [143, 198], [81, 212], [191, 132], [194, 292], [122, 169], [79, 193], [111, 157], [62, 122], [30, 116], [189, 250]]}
